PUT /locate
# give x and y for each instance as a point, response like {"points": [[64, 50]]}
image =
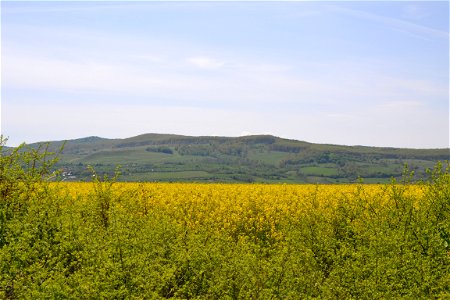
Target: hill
{"points": [[258, 158]]}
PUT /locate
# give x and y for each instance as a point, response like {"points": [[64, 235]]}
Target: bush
{"points": [[59, 240]]}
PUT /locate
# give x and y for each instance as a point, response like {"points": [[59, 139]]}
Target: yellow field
{"points": [[240, 210], [227, 241]]}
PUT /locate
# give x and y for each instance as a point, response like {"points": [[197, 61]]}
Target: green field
{"points": [[260, 158]]}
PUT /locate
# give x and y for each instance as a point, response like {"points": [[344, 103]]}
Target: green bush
{"points": [[109, 245]]}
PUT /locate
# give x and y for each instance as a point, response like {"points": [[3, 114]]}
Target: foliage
{"points": [[259, 158], [207, 241], [160, 149]]}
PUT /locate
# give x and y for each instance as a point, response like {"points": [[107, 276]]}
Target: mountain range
{"points": [[256, 158]]}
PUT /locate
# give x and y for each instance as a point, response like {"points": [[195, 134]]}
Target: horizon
{"points": [[217, 136], [342, 73]]}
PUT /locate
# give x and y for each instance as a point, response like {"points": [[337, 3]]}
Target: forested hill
{"points": [[258, 158]]}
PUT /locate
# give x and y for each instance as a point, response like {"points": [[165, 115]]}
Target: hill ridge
{"points": [[161, 136], [253, 158]]}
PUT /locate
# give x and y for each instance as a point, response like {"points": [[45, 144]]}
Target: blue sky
{"points": [[353, 73]]}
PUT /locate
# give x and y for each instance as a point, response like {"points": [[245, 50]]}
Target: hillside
{"points": [[259, 158]]}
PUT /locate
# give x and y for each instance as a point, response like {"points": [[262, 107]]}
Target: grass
{"points": [[272, 157], [319, 171]]}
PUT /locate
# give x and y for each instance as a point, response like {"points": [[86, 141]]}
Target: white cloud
{"points": [[248, 83], [156, 59], [262, 86], [170, 70], [204, 62], [43, 73]]}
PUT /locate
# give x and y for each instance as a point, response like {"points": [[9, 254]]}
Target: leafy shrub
{"points": [[153, 241]]}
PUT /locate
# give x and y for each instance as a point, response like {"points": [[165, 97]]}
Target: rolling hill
{"points": [[258, 158]]}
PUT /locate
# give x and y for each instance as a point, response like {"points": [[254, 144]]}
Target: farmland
{"points": [[251, 159], [107, 239]]}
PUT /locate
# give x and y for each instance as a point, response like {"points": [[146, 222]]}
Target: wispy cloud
{"points": [[400, 106], [241, 82], [400, 25], [204, 62], [44, 73], [293, 79], [414, 11], [56, 6]]}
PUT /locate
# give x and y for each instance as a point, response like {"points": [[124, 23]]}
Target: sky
{"points": [[337, 72]]}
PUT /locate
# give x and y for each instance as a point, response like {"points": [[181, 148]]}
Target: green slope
{"points": [[259, 158]]}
